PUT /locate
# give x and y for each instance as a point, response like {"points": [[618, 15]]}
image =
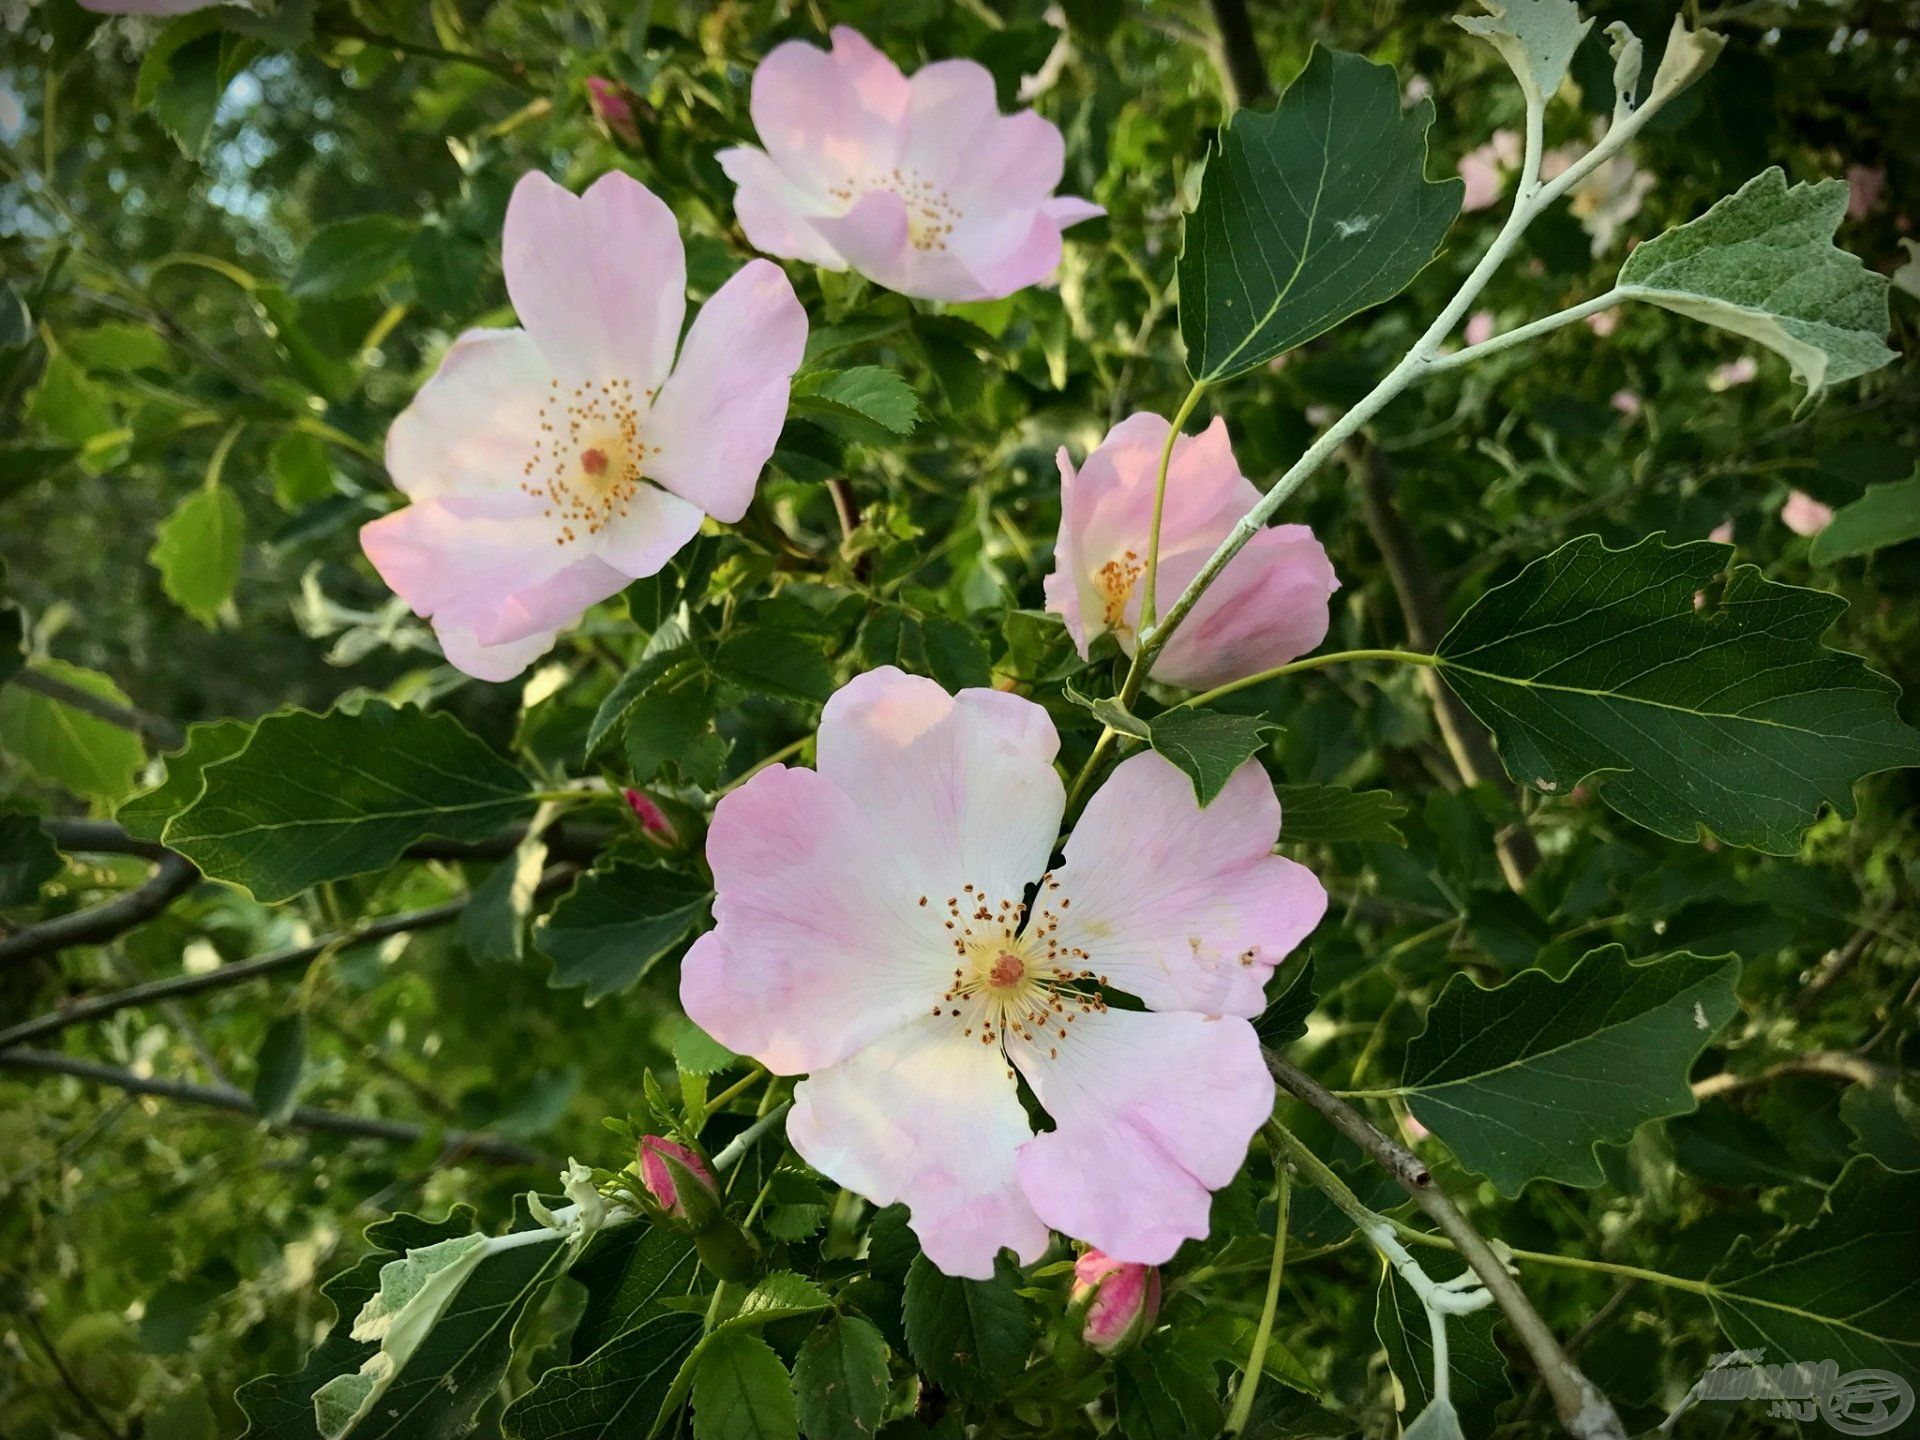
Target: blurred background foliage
{"points": [[227, 268]]}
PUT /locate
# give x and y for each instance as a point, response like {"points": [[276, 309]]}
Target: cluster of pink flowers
{"points": [[891, 923]]}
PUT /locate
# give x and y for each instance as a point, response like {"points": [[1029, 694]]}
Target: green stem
{"points": [[1145, 624], [1312, 662], [1263, 1335], [743, 1142], [1094, 757]]}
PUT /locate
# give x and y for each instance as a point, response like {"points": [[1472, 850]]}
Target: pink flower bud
{"points": [[613, 107], [1122, 1301], [652, 818], [679, 1181], [1479, 327]]}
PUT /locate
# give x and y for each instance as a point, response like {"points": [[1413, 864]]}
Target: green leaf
{"points": [[197, 551], [625, 1271], [780, 1296], [741, 1391], [1523, 1080], [663, 725], [840, 1380], [28, 858], [492, 929], [774, 662], [67, 405], [351, 257], [967, 1336], [278, 1067], [301, 471], [864, 403], [1309, 214], [146, 814], [184, 73], [16, 322], [796, 1206], [1208, 745], [1762, 263], [1885, 515], [65, 746], [618, 919], [697, 1053], [320, 797], [1478, 1369], [1328, 814], [617, 1393], [1290, 1000], [1536, 38], [118, 345], [1728, 716], [1839, 1288], [1168, 1388], [627, 692], [1885, 1120]]}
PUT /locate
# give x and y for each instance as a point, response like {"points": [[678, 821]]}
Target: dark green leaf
{"points": [[1478, 1369], [967, 1336], [1885, 1120], [28, 858], [774, 662], [1885, 515], [840, 1380], [1523, 1080], [301, 471], [1168, 1389], [1729, 716], [625, 1271], [1208, 745], [320, 797], [1290, 1000], [1308, 214], [351, 257], [617, 1393], [617, 920], [278, 1067], [1330, 814], [741, 1391], [146, 814]]}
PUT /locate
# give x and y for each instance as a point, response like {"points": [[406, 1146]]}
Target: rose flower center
{"points": [[587, 456]]}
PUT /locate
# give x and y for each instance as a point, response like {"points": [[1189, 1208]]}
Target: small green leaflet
{"points": [[1536, 38], [967, 1336], [320, 797], [1290, 1000], [1209, 745], [840, 1380], [1523, 1080], [1309, 214], [1762, 263], [1839, 1288], [197, 551], [1729, 716], [865, 403], [1325, 814], [184, 73], [1885, 515], [65, 746], [741, 1391], [618, 919], [351, 257]]}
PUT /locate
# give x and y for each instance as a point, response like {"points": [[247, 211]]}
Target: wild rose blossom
{"points": [[1267, 607], [1122, 1301], [875, 931], [1805, 515], [551, 465], [920, 184]]}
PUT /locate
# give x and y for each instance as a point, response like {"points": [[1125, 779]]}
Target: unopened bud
{"points": [[1121, 1300], [614, 107], [679, 1182], [652, 818]]}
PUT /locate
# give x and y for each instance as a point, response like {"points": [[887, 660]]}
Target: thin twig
{"points": [[1238, 55], [1584, 1411], [456, 1143], [1827, 1064], [171, 878], [154, 728]]}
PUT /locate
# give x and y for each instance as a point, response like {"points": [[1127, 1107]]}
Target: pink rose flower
{"points": [[920, 184], [1479, 327], [1734, 372], [1485, 169], [1626, 402], [1805, 515], [1268, 606], [873, 933], [550, 465], [1122, 1301], [1865, 185]]}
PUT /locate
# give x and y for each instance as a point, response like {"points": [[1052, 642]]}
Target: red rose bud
{"points": [[652, 818], [679, 1182], [613, 106], [1122, 1301]]}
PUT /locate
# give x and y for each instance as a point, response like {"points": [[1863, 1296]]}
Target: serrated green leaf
{"points": [[65, 746], [773, 662], [697, 1053], [626, 1271], [617, 1393], [1536, 38], [1523, 1080], [840, 1380], [67, 405], [1762, 263], [301, 470], [1208, 745], [1885, 515], [1597, 664], [741, 1391], [28, 858], [1477, 1368], [320, 797], [1838, 1288], [197, 551], [779, 1296], [146, 814], [1309, 214], [351, 257], [967, 1336], [1290, 1000], [864, 403], [618, 919], [1331, 814], [796, 1206], [279, 1065], [1168, 1388]]}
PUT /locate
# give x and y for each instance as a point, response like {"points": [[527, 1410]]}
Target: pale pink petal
{"points": [[1734, 372], [1063, 583], [473, 426], [647, 532], [1070, 210], [1722, 534], [491, 662], [486, 564], [1865, 185], [1153, 1113], [952, 120], [827, 119], [599, 280], [821, 946], [1805, 515], [930, 1118], [773, 211], [1269, 606], [957, 789], [716, 419], [1180, 906], [875, 238], [1482, 171], [1479, 327], [1002, 256]]}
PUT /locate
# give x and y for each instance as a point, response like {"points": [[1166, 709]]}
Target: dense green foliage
{"points": [[234, 246]]}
